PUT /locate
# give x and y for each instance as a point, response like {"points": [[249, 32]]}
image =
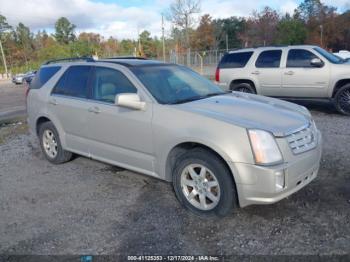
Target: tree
{"points": [[233, 27], [204, 35], [181, 15], [149, 45], [24, 38], [64, 31], [262, 27], [318, 19], [291, 31]]}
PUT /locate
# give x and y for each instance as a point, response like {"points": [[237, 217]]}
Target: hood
{"points": [[252, 111]]}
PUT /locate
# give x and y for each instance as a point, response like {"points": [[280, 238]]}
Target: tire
{"points": [[243, 87], [49, 140], [342, 100], [224, 193]]}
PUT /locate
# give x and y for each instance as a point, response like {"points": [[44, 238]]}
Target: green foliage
{"points": [[64, 31], [233, 27], [291, 31], [24, 50]]}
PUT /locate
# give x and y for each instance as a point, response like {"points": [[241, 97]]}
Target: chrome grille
{"points": [[303, 140]]}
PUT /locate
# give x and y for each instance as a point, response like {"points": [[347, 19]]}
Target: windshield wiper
{"points": [[186, 100]]}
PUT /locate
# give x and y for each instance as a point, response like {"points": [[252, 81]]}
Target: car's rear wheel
{"points": [[51, 144], [243, 87], [342, 100], [203, 184]]}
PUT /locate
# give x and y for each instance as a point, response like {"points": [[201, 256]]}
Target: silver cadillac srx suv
{"points": [[219, 149], [298, 72]]}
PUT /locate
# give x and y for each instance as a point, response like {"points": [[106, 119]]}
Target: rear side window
{"points": [[235, 60], [43, 75], [108, 83], [300, 58], [74, 82], [269, 59]]}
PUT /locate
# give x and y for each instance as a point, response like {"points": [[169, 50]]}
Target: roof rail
{"points": [[127, 57], [70, 59]]}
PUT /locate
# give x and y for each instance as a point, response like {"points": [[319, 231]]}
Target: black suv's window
{"points": [[108, 83], [43, 75], [74, 82], [269, 59], [235, 60], [300, 58]]}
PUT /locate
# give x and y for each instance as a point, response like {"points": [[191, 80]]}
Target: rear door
{"points": [[301, 79], [268, 72], [69, 105]]}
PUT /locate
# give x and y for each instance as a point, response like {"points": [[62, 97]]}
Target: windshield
{"points": [[171, 84], [329, 56]]}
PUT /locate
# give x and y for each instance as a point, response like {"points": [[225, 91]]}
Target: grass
{"points": [[11, 128]]}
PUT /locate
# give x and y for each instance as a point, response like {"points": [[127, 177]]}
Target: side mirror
{"points": [[316, 62], [130, 100]]}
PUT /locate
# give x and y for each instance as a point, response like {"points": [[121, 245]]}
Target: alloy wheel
{"points": [[200, 187], [344, 100], [50, 143]]}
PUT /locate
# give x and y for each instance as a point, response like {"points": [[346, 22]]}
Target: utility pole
{"points": [[226, 42], [3, 58], [321, 27], [163, 37], [2, 52]]}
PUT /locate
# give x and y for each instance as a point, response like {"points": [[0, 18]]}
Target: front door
{"points": [[301, 79], [119, 135]]}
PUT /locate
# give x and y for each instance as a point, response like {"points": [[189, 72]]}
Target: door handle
{"points": [[94, 109], [289, 73], [256, 73], [53, 102]]}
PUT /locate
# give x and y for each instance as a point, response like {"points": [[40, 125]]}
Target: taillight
{"points": [[217, 75]]}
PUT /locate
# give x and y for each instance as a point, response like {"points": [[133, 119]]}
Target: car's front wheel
{"points": [[51, 144], [203, 183], [342, 100]]}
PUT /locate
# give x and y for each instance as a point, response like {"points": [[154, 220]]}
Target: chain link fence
{"points": [[204, 62]]}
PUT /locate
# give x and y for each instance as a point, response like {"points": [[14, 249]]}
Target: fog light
{"points": [[279, 180]]}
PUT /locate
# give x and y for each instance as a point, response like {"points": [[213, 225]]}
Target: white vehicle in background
{"points": [[289, 72], [345, 54]]}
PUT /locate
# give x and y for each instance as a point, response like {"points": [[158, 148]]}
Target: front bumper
{"points": [[257, 184]]}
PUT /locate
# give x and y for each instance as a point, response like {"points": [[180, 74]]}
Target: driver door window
{"points": [[300, 58], [108, 83]]}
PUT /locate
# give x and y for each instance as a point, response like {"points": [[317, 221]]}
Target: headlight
{"points": [[264, 147]]}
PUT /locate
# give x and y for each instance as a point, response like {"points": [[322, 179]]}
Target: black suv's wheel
{"points": [[203, 184], [243, 87], [342, 100], [51, 145]]}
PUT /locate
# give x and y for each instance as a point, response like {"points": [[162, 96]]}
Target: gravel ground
{"points": [[87, 207]]}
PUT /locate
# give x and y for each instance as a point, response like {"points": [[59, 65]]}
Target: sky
{"points": [[125, 18]]}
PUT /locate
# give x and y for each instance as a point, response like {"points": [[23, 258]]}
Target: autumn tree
{"points": [[204, 36], [318, 19], [64, 31], [262, 27]]}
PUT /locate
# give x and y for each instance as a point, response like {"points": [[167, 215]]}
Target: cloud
{"points": [[111, 19]]}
